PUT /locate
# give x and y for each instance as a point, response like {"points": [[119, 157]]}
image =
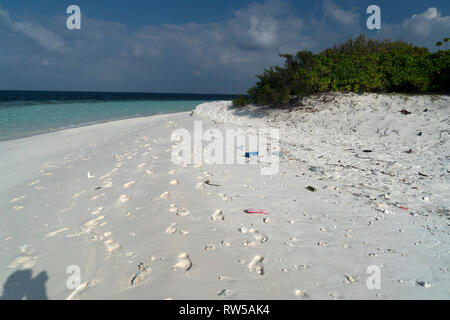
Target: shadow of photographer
{"points": [[20, 285]]}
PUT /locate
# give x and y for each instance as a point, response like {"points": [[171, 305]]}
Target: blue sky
{"points": [[187, 46]]}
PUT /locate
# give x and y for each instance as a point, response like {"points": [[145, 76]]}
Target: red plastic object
{"points": [[404, 208], [255, 211]]}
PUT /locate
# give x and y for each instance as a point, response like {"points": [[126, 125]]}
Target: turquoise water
{"points": [[28, 113]]}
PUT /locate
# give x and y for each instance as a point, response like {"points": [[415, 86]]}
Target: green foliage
{"points": [[242, 101], [358, 65]]}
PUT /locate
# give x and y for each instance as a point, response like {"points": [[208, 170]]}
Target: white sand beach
{"points": [[108, 199]]}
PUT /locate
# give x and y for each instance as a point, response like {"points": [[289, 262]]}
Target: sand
{"points": [[108, 200]]}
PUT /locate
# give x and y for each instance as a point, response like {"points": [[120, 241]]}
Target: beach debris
{"points": [[405, 112], [266, 220], [404, 208], [367, 151], [350, 278], [255, 211], [184, 263], [422, 174], [211, 184], [314, 169], [98, 188], [251, 154], [310, 188], [224, 293], [423, 284], [139, 275]]}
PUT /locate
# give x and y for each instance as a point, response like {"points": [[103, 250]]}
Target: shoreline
{"points": [[83, 125]]}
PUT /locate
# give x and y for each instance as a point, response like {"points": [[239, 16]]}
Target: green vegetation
{"points": [[358, 65]]}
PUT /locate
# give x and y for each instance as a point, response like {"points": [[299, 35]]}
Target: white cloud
{"points": [[209, 57], [423, 25], [35, 32], [345, 17]]}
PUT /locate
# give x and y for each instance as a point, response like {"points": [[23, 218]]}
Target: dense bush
{"points": [[358, 65]]}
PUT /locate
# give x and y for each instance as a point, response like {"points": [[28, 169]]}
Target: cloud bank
{"points": [[214, 57]]}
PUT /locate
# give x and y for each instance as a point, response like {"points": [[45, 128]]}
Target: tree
{"points": [[439, 44], [446, 41]]}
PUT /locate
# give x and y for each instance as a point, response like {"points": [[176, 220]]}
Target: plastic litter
{"points": [[251, 154], [403, 207], [255, 211], [211, 184], [310, 188]]}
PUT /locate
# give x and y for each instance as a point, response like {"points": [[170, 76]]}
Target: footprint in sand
{"points": [[78, 194], [23, 262], [174, 181], [33, 183], [225, 243], [224, 293], [183, 212], [164, 195], [225, 197], [301, 294], [87, 227], [259, 237], [217, 215], [210, 247], [18, 208], [81, 288], [124, 198], [172, 171], [149, 172], [184, 263], [98, 196], [107, 184], [139, 276], [54, 233], [128, 184], [256, 265], [140, 166], [112, 247], [171, 229], [17, 199], [200, 185], [97, 211]]}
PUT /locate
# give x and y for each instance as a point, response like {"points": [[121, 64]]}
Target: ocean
{"points": [[25, 113]]}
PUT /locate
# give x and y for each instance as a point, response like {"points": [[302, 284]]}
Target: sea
{"points": [[25, 113]]}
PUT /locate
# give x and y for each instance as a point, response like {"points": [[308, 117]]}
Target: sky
{"points": [[198, 46]]}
